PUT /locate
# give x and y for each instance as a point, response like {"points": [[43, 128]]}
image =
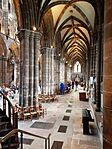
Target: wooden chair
{"points": [[26, 113], [23, 112], [40, 109], [33, 111], [19, 110]]}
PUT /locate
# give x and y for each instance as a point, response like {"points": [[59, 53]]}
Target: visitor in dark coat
{"points": [[72, 84], [62, 88]]}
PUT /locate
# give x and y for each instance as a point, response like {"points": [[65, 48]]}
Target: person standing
{"points": [[76, 83], [62, 88], [72, 84]]}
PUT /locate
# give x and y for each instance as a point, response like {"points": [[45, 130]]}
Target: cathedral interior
{"points": [[47, 42]]}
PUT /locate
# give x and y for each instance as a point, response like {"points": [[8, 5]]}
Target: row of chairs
{"points": [[30, 111], [47, 98]]}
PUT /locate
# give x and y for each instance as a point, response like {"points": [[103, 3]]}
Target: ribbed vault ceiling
{"points": [[74, 19]]}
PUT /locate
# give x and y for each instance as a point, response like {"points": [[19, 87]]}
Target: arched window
{"points": [[77, 67]]}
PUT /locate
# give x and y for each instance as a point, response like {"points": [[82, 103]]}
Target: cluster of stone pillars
{"points": [[47, 70], [95, 66], [29, 66], [62, 70]]}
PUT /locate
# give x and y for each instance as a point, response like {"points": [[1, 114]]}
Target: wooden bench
{"points": [[86, 118]]}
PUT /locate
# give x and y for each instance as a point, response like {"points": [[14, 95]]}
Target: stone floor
{"points": [[63, 120]]}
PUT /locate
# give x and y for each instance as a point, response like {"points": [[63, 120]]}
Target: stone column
{"points": [[68, 68], [20, 36], [92, 85], [4, 69], [56, 73], [15, 72], [31, 68], [37, 37], [107, 91], [83, 69], [87, 73], [59, 65], [94, 55], [45, 72], [24, 67], [94, 71], [98, 70], [48, 70], [52, 70], [62, 71], [91, 61], [1, 70], [5, 18], [66, 71]]}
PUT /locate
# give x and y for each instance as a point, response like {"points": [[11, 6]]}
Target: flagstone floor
{"points": [[63, 120]]}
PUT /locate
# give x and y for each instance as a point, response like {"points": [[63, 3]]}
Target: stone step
{"points": [[12, 146], [3, 132]]}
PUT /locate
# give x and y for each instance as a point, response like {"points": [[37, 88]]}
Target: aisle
{"points": [[63, 120]]}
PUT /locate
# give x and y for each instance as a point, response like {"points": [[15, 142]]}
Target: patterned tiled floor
{"points": [[69, 105], [66, 118], [57, 145], [42, 125], [67, 112], [27, 141], [62, 129]]}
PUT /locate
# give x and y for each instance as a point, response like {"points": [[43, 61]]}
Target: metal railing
{"points": [[15, 131]]}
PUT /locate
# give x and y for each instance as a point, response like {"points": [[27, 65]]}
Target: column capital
{"points": [[53, 50], [47, 49], [37, 35], [44, 50], [23, 33], [31, 35]]}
